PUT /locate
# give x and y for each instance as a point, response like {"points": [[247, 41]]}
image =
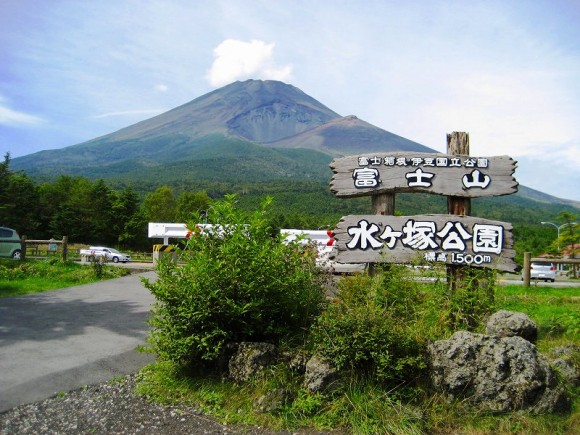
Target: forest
{"points": [[116, 212]]}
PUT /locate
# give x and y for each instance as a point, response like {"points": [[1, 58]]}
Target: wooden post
{"points": [[23, 248], [526, 269], [457, 144], [64, 248], [382, 204]]}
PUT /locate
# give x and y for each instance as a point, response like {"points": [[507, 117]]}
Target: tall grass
{"points": [[33, 276]]}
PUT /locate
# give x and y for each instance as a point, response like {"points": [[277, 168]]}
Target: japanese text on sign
{"points": [[435, 238], [441, 174], [366, 176]]}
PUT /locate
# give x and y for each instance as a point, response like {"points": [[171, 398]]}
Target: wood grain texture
{"points": [[502, 257], [445, 180]]}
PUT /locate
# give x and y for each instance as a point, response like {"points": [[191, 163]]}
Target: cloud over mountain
{"points": [[235, 60]]}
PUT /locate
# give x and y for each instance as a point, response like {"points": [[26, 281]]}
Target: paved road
{"points": [[65, 339]]}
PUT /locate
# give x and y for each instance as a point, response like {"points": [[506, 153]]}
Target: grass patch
{"points": [[34, 276], [361, 405], [555, 310]]}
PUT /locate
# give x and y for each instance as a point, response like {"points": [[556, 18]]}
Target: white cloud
{"points": [[234, 60], [14, 118], [161, 87]]}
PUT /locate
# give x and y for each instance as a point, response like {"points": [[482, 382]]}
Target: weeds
{"points": [[34, 276]]}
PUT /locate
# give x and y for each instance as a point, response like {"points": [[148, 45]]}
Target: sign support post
{"points": [[382, 204], [457, 144], [455, 239]]}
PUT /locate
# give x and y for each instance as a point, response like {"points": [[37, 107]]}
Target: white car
{"points": [[543, 271], [109, 254]]}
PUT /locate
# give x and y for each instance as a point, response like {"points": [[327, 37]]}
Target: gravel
{"points": [[114, 408]]}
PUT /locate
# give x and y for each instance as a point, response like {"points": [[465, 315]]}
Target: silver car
{"points": [[9, 243], [543, 271]]}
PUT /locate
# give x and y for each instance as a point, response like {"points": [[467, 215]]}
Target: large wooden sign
{"points": [[449, 239], [441, 174]]}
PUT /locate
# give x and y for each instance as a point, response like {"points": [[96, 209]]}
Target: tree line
{"points": [[88, 211], [92, 212]]}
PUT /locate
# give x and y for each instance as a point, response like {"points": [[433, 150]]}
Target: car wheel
{"points": [[17, 255], [553, 280], [115, 259]]}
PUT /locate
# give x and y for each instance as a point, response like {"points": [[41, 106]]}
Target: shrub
{"points": [[375, 327], [237, 282]]}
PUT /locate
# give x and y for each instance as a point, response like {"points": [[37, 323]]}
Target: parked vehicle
{"points": [[543, 271], [109, 254], [10, 243]]}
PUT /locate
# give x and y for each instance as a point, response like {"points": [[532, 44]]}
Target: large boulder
{"points": [[496, 374], [250, 359], [319, 375], [512, 324], [564, 357]]}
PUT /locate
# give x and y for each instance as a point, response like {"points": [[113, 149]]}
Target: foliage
{"points": [[191, 202], [32, 276], [98, 264], [361, 404], [113, 206], [554, 309], [160, 205], [470, 299], [18, 199], [376, 326], [237, 282]]}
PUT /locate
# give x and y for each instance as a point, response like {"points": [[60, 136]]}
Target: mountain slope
{"points": [[349, 135], [254, 110], [252, 131], [271, 113]]}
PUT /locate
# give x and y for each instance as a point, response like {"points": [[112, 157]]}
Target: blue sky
{"points": [[507, 72]]}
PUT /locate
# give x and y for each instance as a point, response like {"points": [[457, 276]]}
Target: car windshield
{"points": [[114, 251]]}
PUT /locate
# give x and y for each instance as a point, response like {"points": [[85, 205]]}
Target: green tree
{"points": [[191, 202], [160, 206], [68, 200], [128, 220], [103, 223], [4, 177], [19, 207], [23, 213]]}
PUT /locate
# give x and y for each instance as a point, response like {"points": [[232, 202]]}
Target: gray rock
{"points": [[295, 360], [250, 359], [567, 371], [496, 374], [272, 400], [512, 324], [320, 375], [564, 363], [567, 351]]}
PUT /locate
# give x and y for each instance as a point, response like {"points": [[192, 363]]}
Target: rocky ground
{"points": [[113, 408]]}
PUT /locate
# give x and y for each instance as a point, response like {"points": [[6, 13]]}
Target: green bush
{"points": [[375, 326], [238, 282]]}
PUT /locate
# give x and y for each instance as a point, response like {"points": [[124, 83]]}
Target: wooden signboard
{"points": [[449, 239], [442, 174]]}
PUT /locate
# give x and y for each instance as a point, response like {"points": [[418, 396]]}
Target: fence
{"points": [[32, 246], [528, 261]]}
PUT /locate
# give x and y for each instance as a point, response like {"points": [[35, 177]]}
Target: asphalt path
{"points": [[65, 339]]}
